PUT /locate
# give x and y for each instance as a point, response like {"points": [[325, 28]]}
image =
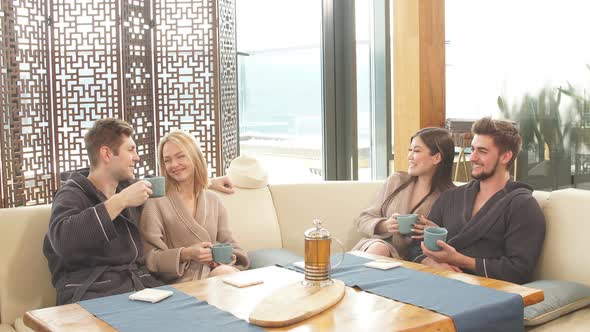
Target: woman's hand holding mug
{"points": [[392, 225], [199, 253], [234, 260]]}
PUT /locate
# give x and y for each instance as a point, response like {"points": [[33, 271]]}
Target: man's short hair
{"points": [[105, 132], [504, 133]]}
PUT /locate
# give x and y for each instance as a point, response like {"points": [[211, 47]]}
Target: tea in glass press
{"points": [[317, 256]]}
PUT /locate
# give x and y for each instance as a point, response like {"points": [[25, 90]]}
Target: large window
{"points": [[363, 86], [526, 61], [279, 83]]}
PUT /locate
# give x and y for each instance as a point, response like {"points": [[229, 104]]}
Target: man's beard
{"points": [[483, 175]]}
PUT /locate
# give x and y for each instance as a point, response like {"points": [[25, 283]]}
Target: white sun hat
{"points": [[247, 172]]}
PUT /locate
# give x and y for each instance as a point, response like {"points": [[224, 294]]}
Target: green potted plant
{"points": [[581, 132], [541, 123]]}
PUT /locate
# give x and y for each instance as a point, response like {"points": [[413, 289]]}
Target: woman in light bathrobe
{"points": [[430, 160], [179, 229]]}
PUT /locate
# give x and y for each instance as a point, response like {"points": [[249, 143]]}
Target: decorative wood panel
{"points": [[26, 145], [229, 131], [137, 80], [186, 71], [62, 67], [86, 63]]}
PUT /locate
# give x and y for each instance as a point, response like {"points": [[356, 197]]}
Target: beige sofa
{"points": [[276, 217]]}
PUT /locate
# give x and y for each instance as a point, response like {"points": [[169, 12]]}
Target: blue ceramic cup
{"points": [[433, 234], [222, 252], [158, 186], [406, 222]]}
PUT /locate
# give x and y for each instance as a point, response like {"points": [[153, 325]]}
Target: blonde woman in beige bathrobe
{"points": [[179, 229], [430, 160]]}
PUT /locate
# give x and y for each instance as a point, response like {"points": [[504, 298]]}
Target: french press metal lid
{"points": [[317, 232]]}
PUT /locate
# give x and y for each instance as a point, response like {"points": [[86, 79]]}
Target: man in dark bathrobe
{"points": [[93, 244], [495, 226]]}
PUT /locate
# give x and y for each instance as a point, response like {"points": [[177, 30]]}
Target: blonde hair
{"points": [[190, 147]]}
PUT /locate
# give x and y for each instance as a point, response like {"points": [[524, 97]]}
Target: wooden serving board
{"points": [[294, 303]]}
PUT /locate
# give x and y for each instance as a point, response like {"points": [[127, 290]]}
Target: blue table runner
{"points": [[472, 307], [177, 313]]}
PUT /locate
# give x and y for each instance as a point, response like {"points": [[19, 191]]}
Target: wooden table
{"points": [[357, 311]]}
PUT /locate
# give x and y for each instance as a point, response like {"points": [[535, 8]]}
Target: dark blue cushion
{"points": [[268, 257]]}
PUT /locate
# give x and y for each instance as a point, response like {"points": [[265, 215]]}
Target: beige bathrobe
{"points": [[167, 226], [367, 222]]}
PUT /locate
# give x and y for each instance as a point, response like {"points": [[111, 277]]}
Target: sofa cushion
{"points": [[541, 197], [567, 226], [561, 297], [25, 281], [252, 218], [336, 203], [268, 257]]}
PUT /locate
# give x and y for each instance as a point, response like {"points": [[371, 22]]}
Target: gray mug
{"points": [[222, 252], [433, 234], [158, 186], [406, 223]]}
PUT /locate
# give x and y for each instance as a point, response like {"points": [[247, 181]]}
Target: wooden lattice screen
{"points": [[186, 70], [154, 63], [137, 81], [86, 73], [229, 130], [28, 170]]}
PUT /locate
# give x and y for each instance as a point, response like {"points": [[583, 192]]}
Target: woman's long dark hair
{"points": [[437, 140]]}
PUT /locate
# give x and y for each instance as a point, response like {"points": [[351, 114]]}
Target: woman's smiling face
{"points": [[421, 162], [178, 164]]}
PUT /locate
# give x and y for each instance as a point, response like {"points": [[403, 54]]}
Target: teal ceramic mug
{"points": [[158, 186], [222, 253], [406, 223], [433, 234]]}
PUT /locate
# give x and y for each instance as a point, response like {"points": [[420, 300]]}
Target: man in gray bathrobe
{"points": [[495, 226], [93, 244]]}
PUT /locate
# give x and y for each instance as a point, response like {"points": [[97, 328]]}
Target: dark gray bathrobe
{"points": [[505, 236], [89, 254]]}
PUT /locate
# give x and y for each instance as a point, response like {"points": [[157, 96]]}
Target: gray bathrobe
{"points": [[89, 254], [505, 236]]}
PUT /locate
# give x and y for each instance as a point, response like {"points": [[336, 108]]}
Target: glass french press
{"points": [[317, 256]]}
